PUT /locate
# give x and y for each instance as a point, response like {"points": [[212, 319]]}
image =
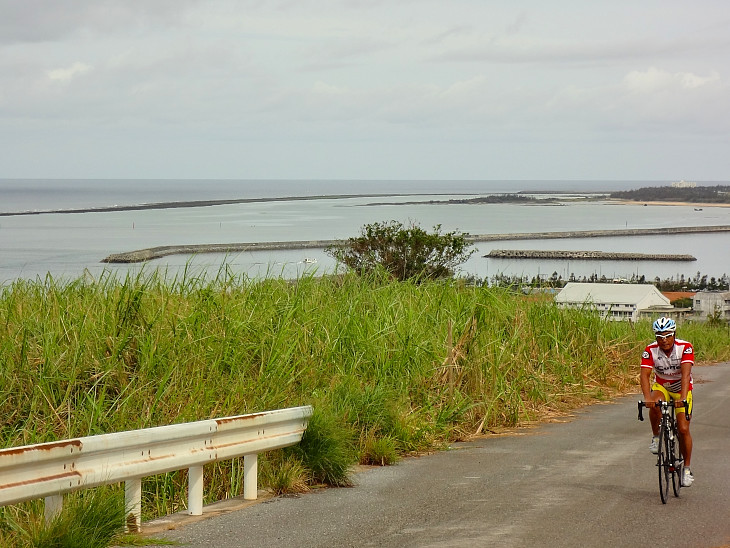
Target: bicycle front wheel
{"points": [[663, 463], [676, 464]]}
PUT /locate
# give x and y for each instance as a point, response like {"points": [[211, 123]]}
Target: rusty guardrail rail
{"points": [[49, 470]]}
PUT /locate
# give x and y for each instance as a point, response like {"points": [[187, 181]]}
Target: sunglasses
{"points": [[664, 337]]}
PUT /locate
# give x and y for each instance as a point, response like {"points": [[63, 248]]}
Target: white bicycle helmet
{"points": [[664, 324]]}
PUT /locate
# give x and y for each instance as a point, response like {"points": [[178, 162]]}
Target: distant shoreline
{"points": [[232, 201], [660, 203], [208, 203]]}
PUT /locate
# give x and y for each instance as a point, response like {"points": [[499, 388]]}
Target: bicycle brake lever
{"points": [[687, 414]]}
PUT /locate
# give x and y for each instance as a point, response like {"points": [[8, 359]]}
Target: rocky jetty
{"points": [[151, 253], [601, 233], [584, 255]]}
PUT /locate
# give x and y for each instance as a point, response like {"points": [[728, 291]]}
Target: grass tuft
{"points": [[90, 519], [286, 477], [327, 450], [379, 451]]}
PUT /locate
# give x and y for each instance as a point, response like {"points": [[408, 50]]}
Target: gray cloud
{"points": [[48, 21], [217, 80]]}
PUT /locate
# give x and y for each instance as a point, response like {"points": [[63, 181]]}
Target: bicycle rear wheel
{"points": [[663, 461]]}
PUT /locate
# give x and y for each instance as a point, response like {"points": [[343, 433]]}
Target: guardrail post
{"points": [[53, 507], [195, 490], [250, 476], [133, 504]]}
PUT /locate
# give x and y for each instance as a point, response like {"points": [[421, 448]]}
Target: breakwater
{"points": [[151, 253], [584, 255], [600, 233]]}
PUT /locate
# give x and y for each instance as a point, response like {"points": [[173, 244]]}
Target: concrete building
{"points": [[711, 302], [684, 184], [618, 301]]}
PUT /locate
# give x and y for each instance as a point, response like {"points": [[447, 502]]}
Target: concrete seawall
{"points": [[600, 233], [151, 253], [583, 255]]}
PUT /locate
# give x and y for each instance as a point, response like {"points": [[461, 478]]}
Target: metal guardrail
{"points": [[48, 470]]}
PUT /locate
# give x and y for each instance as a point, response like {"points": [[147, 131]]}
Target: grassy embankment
{"points": [[371, 356]]}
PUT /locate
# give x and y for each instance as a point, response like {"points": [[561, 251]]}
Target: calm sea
{"points": [[69, 245]]}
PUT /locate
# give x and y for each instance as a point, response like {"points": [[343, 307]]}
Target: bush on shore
{"points": [[404, 252]]}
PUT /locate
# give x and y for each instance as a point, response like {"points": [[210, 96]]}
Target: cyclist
{"points": [[671, 359]]}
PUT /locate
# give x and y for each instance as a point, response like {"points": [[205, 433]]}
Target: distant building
{"points": [[618, 301], [684, 184], [711, 302], [676, 295]]}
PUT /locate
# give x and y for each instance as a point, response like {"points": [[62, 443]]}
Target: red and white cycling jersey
{"points": [[668, 368]]}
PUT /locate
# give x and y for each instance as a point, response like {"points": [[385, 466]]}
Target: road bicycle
{"points": [[670, 462]]}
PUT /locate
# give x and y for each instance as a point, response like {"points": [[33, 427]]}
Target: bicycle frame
{"points": [[670, 462]]}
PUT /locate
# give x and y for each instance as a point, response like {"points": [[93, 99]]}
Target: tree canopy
{"points": [[699, 194], [405, 252]]}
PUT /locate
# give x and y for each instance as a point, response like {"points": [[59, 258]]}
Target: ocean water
{"points": [[68, 245]]}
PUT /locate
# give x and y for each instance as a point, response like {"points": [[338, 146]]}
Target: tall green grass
{"points": [[372, 356]]}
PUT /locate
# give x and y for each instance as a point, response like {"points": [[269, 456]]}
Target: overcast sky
{"points": [[365, 89]]}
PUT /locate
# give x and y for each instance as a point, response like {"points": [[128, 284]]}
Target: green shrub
{"points": [[403, 252]]}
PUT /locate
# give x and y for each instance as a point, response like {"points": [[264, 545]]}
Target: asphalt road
{"points": [[587, 481]]}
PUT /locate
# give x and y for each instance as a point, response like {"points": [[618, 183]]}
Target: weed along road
{"points": [[588, 480]]}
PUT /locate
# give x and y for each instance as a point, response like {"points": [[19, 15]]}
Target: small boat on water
{"points": [[698, 209], [309, 260]]}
